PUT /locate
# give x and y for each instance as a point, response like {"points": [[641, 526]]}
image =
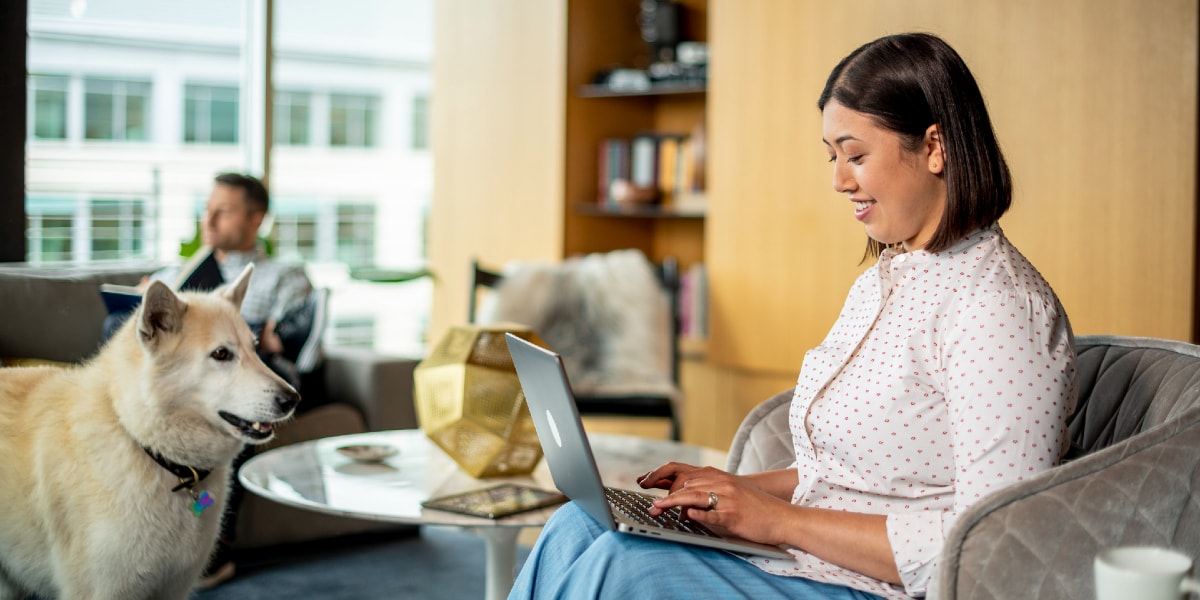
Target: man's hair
{"points": [[908, 82], [257, 199]]}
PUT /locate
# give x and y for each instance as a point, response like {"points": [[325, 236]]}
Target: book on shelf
{"points": [[614, 166], [643, 161], [667, 167], [200, 273]]}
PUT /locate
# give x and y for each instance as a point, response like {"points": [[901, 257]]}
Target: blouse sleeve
{"points": [[1009, 373]]}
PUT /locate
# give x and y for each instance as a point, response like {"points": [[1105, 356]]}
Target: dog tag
{"points": [[201, 502]]}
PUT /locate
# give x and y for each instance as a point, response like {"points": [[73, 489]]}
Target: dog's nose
{"points": [[287, 400]]}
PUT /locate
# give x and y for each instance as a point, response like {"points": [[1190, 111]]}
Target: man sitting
{"points": [[235, 211]]}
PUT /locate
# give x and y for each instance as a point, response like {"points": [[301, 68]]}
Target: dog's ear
{"points": [[235, 291], [161, 312]]}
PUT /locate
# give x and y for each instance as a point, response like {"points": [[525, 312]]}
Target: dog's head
{"points": [[201, 368]]}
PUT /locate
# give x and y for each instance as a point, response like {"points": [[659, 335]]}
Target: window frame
{"points": [[199, 112], [119, 108]]}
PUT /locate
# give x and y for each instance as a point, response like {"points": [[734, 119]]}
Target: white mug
{"points": [[1143, 573]]}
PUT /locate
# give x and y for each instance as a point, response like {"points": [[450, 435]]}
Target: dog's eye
{"points": [[222, 354]]}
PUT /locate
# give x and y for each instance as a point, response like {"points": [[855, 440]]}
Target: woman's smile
{"points": [[862, 208]]}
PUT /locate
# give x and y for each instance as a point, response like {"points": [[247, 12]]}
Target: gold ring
{"points": [[712, 501]]}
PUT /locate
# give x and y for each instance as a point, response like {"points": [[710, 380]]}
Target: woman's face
{"points": [[898, 195]]}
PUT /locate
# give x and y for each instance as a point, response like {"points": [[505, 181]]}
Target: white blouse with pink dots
{"points": [[947, 376]]}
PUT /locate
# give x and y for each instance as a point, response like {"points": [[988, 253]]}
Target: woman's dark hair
{"points": [[908, 82], [257, 199]]}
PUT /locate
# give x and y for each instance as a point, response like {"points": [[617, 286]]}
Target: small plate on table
{"points": [[368, 453]]}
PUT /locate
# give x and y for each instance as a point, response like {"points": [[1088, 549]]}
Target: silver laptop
{"points": [[565, 445]]}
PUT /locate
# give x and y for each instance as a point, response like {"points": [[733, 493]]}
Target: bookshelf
{"points": [[596, 113], [602, 34]]}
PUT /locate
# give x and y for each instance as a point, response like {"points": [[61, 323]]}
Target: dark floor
{"points": [[439, 563]]}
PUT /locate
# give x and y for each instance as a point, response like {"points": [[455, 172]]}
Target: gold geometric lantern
{"points": [[469, 401]]}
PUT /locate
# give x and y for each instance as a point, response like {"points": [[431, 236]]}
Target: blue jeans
{"points": [[576, 558]]}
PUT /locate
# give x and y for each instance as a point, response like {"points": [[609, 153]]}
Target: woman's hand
{"points": [[741, 507], [757, 507]]}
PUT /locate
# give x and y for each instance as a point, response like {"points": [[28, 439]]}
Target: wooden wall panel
{"points": [[498, 128], [717, 399], [1094, 102]]}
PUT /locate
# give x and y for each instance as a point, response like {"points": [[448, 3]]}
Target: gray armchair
{"points": [[1129, 479]]}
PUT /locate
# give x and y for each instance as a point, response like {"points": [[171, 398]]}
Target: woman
{"points": [[948, 374]]}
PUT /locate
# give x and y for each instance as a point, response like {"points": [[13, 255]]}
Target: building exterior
{"points": [[134, 106]]}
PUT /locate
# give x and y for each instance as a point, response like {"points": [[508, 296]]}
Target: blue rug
{"points": [[439, 563]]}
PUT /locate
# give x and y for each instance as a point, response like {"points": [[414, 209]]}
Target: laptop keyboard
{"points": [[636, 505]]}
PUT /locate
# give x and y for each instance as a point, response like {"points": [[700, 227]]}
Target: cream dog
{"points": [[113, 474]]}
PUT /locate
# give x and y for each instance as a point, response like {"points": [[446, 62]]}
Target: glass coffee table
{"points": [[315, 476]]}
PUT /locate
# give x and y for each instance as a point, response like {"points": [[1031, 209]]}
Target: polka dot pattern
{"points": [[947, 376]]}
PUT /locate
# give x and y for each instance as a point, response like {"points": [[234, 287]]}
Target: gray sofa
{"points": [[1130, 480], [56, 314]]}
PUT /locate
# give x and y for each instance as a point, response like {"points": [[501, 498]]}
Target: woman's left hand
{"points": [[727, 502]]}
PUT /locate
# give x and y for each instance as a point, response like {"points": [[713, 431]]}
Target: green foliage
{"points": [[189, 247]]}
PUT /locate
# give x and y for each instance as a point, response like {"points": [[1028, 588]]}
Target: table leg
{"points": [[501, 558]]}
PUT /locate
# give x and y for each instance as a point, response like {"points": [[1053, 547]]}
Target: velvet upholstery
{"points": [[1128, 481]]}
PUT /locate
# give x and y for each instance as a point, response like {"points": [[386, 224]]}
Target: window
{"points": [[352, 330], [356, 234], [83, 229], [296, 237], [352, 120], [48, 109], [49, 229], [118, 229], [420, 122], [165, 80], [325, 231], [210, 114], [115, 109], [291, 118]]}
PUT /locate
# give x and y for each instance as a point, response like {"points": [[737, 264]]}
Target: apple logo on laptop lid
{"points": [[553, 428]]}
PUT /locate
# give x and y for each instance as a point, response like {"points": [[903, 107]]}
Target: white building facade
{"points": [[135, 105]]}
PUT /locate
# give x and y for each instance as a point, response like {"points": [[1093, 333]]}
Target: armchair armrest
{"points": [[762, 441], [1037, 538], [380, 387]]}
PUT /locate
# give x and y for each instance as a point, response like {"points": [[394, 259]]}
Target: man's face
{"points": [[228, 224]]}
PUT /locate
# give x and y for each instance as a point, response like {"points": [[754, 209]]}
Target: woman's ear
{"points": [[934, 150]]}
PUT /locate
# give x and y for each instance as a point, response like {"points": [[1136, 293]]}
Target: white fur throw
{"points": [[606, 314]]}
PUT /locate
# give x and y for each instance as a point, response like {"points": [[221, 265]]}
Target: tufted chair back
{"points": [[1128, 385]]}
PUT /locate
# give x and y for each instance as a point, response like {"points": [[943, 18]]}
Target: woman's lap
{"points": [[576, 558]]}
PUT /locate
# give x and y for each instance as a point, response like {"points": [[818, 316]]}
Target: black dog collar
{"points": [[188, 476]]}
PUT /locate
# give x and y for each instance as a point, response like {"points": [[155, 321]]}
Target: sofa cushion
{"points": [[56, 313]]}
